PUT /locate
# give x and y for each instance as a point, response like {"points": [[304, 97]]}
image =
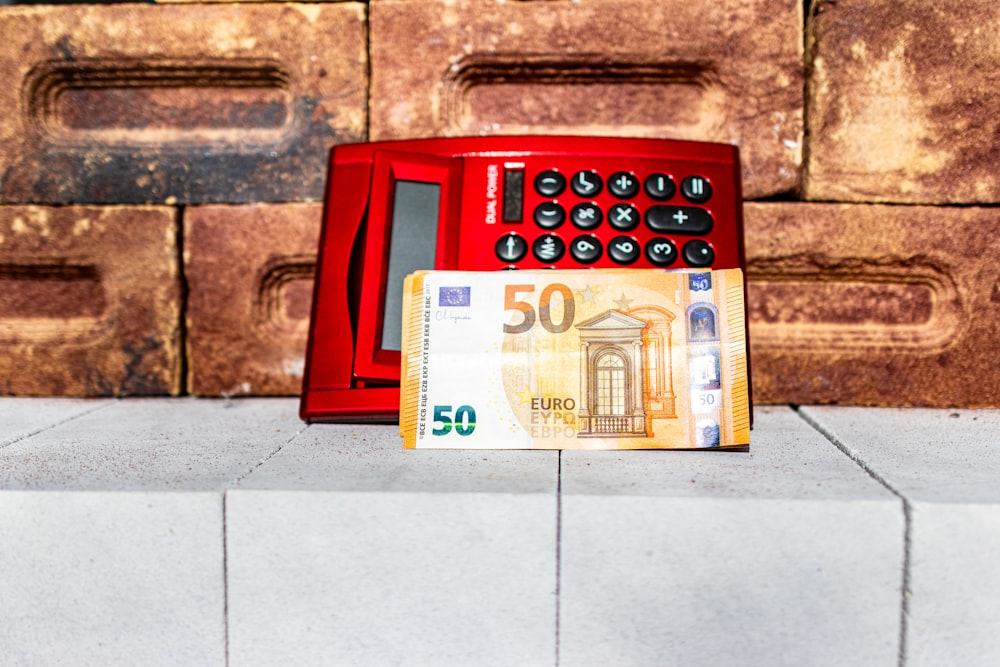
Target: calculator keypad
{"points": [[645, 215]]}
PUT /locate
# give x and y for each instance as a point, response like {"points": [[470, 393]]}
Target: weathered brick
{"points": [[249, 271], [873, 304], [90, 301], [726, 71], [904, 102], [181, 104]]}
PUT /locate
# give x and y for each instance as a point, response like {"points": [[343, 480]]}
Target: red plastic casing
{"points": [[348, 376]]}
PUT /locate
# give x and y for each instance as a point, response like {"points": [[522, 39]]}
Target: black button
{"points": [[623, 249], [696, 189], [586, 216], [661, 251], [660, 187], [585, 249], [550, 183], [511, 248], [623, 185], [679, 219], [549, 215], [623, 216], [548, 248], [698, 253], [586, 183]]}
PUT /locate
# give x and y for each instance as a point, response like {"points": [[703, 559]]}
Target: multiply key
{"points": [[623, 216]]}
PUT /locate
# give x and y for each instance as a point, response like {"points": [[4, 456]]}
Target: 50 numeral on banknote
{"points": [[464, 420], [543, 315]]}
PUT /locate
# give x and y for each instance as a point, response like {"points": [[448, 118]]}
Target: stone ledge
{"points": [[193, 531]]}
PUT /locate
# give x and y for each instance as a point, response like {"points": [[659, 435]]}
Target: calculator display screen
{"points": [[412, 243]]}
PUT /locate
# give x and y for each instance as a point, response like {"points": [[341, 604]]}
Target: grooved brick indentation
{"points": [[50, 291], [102, 96], [582, 91]]}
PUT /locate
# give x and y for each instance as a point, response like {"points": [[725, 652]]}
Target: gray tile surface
{"points": [[111, 526], [345, 549], [772, 557], [111, 578], [20, 418], [126, 524], [946, 465], [151, 444]]}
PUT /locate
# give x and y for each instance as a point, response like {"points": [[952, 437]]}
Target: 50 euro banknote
{"points": [[587, 359]]}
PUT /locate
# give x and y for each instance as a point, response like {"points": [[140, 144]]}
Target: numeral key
{"points": [[586, 183], [661, 251], [623, 249], [586, 249]]}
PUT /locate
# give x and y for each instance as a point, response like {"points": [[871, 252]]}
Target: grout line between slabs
{"points": [[225, 530], [101, 405], [855, 457], [268, 457], [225, 580], [558, 550]]}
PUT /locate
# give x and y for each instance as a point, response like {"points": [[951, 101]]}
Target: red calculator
{"points": [[495, 203]]}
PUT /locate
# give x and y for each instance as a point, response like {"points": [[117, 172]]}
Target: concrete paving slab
{"points": [[789, 554], [111, 578], [948, 456], [21, 417], [946, 465], [345, 549], [152, 444], [111, 529]]}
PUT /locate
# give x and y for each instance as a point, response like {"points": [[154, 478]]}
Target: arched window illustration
{"points": [[610, 371], [611, 376]]}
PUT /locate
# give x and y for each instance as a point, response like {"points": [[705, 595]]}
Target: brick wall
{"points": [[161, 168]]}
